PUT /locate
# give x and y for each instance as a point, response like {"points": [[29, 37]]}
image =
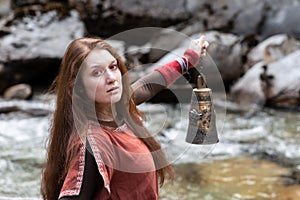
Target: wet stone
{"points": [[19, 91]]}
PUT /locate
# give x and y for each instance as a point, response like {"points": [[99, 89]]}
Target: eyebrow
{"points": [[97, 66]]}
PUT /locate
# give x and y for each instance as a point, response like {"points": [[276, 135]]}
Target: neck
{"points": [[106, 112]]}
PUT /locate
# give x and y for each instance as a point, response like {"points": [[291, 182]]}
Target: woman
{"points": [[98, 146]]}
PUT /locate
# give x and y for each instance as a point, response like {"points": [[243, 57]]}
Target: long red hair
{"points": [[63, 140]]}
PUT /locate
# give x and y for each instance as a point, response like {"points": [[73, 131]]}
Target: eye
{"points": [[113, 67], [98, 73]]}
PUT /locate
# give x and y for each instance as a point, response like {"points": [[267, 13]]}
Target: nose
{"points": [[110, 77]]}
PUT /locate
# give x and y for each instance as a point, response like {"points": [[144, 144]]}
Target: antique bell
{"points": [[202, 119]]}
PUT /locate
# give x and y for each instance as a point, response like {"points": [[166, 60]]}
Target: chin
{"points": [[109, 99], [115, 99]]}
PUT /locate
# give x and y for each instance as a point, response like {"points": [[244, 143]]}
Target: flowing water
{"points": [[255, 158]]}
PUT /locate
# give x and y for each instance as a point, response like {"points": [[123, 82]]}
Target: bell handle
{"points": [[201, 82]]}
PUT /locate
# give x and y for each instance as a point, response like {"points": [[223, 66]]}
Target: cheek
{"points": [[93, 87], [120, 82], [120, 77]]}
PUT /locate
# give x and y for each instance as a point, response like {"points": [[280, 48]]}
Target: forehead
{"points": [[98, 57]]}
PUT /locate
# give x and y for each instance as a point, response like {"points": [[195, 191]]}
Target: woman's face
{"points": [[101, 77]]}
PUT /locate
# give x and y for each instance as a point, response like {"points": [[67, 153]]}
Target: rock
{"points": [[108, 17], [20, 91], [226, 51], [193, 27], [119, 46], [38, 31], [218, 14], [163, 42], [23, 3], [135, 55], [247, 90], [33, 41], [224, 57], [272, 49], [267, 83], [286, 84], [8, 109], [228, 15], [249, 18], [244, 18], [38, 72], [5, 7], [37, 112], [29, 107], [165, 9], [282, 18]]}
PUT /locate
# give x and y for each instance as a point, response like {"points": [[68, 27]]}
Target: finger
{"points": [[205, 45], [202, 39]]}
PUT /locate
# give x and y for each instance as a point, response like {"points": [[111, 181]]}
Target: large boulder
{"points": [[5, 7], [38, 31], [108, 17], [281, 17], [272, 49], [243, 18], [33, 40], [224, 14], [19, 91], [263, 18], [225, 54], [283, 83]]}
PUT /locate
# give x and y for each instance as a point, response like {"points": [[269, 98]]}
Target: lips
{"points": [[112, 89]]}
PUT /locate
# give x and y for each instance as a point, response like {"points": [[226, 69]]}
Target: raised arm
{"points": [[148, 86]]}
